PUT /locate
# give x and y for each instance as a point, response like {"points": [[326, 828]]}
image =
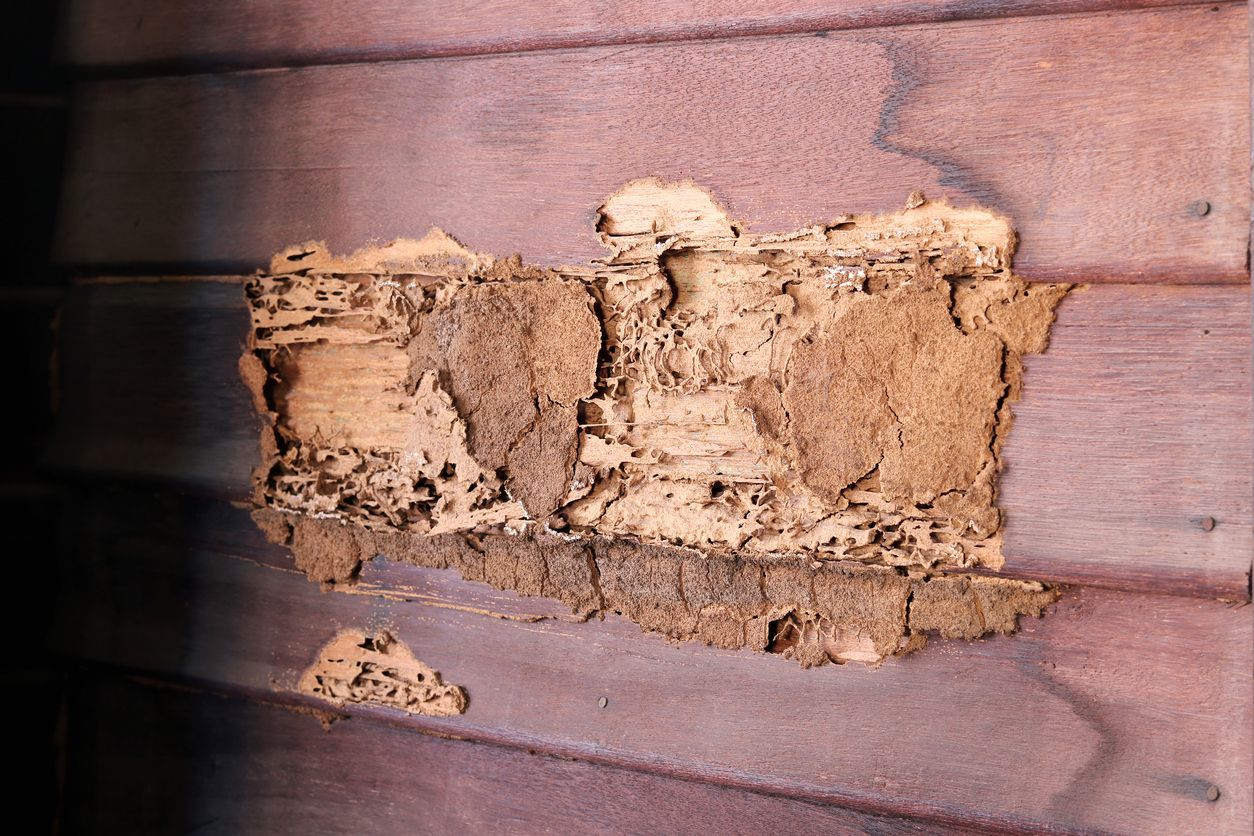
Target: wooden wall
{"points": [[205, 136]]}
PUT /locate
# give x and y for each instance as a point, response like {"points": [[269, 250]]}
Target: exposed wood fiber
{"points": [[784, 442], [378, 669]]}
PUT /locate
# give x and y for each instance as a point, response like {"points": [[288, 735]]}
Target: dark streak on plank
{"points": [[131, 36], [1094, 133], [1133, 428]]}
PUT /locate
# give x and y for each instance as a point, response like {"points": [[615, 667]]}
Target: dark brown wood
{"points": [[1096, 134], [194, 34], [1115, 712], [144, 758], [1134, 426]]}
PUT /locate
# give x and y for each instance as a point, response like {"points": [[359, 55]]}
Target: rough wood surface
{"points": [[424, 397], [1133, 429], [1134, 701], [214, 765], [194, 34], [1096, 134]]}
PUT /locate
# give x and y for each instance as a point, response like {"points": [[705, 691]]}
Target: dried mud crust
{"points": [[783, 442]]}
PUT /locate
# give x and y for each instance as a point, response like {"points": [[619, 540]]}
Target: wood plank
{"points": [[1097, 134], [149, 386], [192, 34], [1133, 429], [237, 765], [1137, 703]]}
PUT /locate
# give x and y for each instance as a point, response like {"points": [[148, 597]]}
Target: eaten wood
{"points": [[356, 667], [783, 442]]}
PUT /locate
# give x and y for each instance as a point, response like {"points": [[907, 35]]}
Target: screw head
{"points": [[603, 702], [1212, 793], [1199, 208], [1207, 523]]}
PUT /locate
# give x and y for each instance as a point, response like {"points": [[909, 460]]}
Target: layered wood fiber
{"points": [[359, 668], [783, 442]]}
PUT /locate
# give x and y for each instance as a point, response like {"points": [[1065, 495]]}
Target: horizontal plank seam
{"points": [[1236, 593], [806, 24], [227, 553], [376, 590]]}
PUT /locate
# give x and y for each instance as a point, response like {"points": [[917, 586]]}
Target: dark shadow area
{"points": [[33, 124], [111, 382], [73, 540]]}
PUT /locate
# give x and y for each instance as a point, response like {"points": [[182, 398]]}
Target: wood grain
{"points": [[197, 35], [1134, 429], [1134, 426], [1095, 134], [1134, 702], [236, 765]]}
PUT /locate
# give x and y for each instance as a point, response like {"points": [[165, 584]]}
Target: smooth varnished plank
{"points": [[1114, 712], [1097, 134], [228, 765], [1133, 429], [131, 35], [1131, 452]]}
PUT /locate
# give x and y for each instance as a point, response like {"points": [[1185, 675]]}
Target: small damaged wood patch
{"points": [[377, 669], [826, 406]]}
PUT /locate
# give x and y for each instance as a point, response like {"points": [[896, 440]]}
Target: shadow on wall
{"points": [[33, 115], [102, 749]]}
